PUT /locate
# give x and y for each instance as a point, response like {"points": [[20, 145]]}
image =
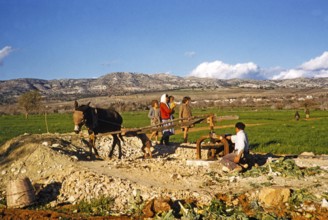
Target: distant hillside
{"points": [[128, 83]]}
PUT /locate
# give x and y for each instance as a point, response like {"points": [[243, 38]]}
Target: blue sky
{"points": [[259, 39]]}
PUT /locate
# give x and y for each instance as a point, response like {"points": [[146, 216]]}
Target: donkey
{"points": [[98, 120]]}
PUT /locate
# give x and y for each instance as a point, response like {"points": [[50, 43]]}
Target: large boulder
{"points": [[273, 196]]}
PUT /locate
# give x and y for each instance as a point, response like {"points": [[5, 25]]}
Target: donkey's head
{"points": [[80, 116]]}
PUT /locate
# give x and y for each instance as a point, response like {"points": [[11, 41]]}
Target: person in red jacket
{"points": [[166, 117]]}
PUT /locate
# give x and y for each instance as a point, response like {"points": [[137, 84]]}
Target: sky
{"points": [[248, 39]]}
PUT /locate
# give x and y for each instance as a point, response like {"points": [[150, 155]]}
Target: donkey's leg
{"points": [[92, 144], [121, 138], [113, 146], [118, 142]]}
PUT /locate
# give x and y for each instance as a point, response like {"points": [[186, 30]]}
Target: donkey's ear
{"points": [[76, 104]]}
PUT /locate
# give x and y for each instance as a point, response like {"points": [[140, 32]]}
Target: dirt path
{"points": [[158, 173]]}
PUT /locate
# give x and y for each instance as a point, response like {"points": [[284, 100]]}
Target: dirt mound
{"points": [[62, 171]]}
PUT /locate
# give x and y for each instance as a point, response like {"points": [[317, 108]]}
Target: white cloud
{"points": [[321, 73], [316, 67], [289, 74], [5, 52], [190, 53], [220, 70], [317, 63]]}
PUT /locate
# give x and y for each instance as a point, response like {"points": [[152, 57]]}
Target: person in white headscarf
{"points": [[166, 117]]}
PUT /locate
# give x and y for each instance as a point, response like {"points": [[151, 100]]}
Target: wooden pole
{"points": [[46, 120]]}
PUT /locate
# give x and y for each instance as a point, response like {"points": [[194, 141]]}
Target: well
{"points": [[20, 193]]}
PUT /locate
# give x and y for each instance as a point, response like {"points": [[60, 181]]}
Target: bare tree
{"points": [[30, 101]]}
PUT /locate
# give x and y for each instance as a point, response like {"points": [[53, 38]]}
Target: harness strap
{"points": [[109, 122]]}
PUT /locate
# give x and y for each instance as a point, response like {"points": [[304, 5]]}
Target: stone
{"points": [[55, 145], [307, 154], [161, 205], [273, 196], [309, 208], [200, 163], [23, 170], [71, 199], [324, 204], [147, 210]]}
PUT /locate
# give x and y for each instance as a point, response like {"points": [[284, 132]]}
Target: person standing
{"points": [[172, 106], [297, 116], [166, 118], [307, 113], [185, 115], [154, 115]]}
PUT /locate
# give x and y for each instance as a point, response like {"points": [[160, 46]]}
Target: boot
{"points": [[166, 137], [163, 138], [167, 140]]}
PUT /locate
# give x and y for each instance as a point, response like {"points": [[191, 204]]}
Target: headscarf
{"points": [[163, 98]]}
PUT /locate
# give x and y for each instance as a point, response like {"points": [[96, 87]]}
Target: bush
{"points": [[96, 207]]}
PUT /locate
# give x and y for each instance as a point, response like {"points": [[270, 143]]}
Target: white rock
{"points": [[324, 204], [71, 199], [45, 143], [309, 208], [324, 167], [199, 163], [232, 179], [23, 170], [74, 158], [308, 154], [3, 172]]}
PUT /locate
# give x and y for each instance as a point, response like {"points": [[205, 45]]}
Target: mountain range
{"points": [[120, 83]]}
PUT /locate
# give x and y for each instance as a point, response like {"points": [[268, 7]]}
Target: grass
{"points": [[12, 126], [268, 130]]}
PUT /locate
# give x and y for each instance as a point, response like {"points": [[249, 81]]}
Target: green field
{"points": [[273, 131]]}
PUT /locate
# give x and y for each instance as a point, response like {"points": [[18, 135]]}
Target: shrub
{"points": [[96, 207]]}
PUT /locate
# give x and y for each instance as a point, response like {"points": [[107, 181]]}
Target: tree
{"points": [[30, 101]]}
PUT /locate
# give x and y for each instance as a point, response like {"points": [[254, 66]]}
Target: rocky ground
{"points": [[173, 182]]}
